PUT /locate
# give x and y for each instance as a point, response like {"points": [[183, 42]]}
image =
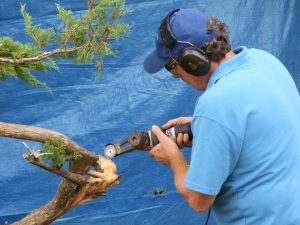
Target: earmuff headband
{"points": [[168, 38]]}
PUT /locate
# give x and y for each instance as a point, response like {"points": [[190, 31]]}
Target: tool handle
{"points": [[184, 129], [173, 132]]}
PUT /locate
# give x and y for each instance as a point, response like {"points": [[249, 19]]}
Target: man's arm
{"points": [[198, 201], [167, 152]]}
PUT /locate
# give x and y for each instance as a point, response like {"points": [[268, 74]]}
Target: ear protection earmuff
{"points": [[192, 59]]}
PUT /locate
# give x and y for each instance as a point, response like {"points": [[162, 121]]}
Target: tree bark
{"points": [[44, 55], [75, 187]]}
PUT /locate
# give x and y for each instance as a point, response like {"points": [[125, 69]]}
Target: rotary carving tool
{"points": [[141, 140]]}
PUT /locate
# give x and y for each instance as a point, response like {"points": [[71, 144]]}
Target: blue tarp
{"points": [[95, 112]]}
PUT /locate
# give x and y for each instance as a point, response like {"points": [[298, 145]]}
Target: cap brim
{"points": [[153, 63]]}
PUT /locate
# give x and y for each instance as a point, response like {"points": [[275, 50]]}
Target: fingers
{"points": [[170, 123], [158, 132], [151, 153], [179, 140], [155, 153], [173, 139], [186, 139], [159, 156], [176, 121], [183, 140]]}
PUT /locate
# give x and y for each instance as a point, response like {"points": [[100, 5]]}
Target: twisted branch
{"points": [[80, 183]]}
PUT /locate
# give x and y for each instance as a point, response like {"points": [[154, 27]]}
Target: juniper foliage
{"points": [[55, 152], [83, 39]]}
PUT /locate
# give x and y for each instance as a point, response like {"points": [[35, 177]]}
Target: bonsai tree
{"points": [[83, 39]]}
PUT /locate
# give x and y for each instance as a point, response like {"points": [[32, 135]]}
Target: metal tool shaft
{"points": [[140, 140]]}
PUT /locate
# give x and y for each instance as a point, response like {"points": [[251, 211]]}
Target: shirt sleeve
{"points": [[215, 152]]}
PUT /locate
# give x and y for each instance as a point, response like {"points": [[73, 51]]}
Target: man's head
{"points": [[189, 40]]}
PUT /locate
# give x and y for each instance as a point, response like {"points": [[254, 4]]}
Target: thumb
{"points": [[158, 132]]}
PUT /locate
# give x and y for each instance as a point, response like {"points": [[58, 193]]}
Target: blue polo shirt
{"points": [[246, 146]]}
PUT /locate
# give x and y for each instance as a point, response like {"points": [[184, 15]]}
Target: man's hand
{"points": [[168, 153], [181, 140], [165, 149]]}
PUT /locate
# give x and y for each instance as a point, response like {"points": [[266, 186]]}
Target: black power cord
{"points": [[207, 218]]}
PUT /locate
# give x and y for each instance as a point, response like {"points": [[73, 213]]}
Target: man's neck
{"points": [[228, 55], [214, 65]]}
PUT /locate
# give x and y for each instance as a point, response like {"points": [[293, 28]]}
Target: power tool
{"points": [[141, 140]]}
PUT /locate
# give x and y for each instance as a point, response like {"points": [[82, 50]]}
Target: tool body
{"points": [[141, 140]]}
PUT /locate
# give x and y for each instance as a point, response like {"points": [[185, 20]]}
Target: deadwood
{"points": [[88, 177], [38, 134]]}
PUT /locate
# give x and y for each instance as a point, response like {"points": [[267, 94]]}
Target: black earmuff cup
{"points": [[193, 61]]}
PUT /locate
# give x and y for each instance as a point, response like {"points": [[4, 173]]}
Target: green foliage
{"points": [[41, 36], [83, 39], [17, 50], [100, 27], [75, 156], [55, 152]]}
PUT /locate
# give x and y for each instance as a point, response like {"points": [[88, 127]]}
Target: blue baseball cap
{"points": [[189, 26]]}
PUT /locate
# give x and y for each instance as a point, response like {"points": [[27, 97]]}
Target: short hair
{"points": [[217, 48]]}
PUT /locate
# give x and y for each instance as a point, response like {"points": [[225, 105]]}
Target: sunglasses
{"points": [[173, 68]]}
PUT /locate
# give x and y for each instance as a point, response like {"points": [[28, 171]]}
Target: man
{"points": [[245, 159]]}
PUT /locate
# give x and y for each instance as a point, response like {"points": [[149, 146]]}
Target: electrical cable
{"points": [[208, 215]]}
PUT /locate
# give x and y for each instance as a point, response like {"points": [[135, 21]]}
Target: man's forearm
{"points": [[179, 167], [198, 201]]}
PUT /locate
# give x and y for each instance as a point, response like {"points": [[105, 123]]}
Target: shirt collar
{"points": [[229, 65]]}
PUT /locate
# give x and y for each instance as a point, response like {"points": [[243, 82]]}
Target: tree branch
{"points": [[76, 178], [38, 134], [43, 56]]}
